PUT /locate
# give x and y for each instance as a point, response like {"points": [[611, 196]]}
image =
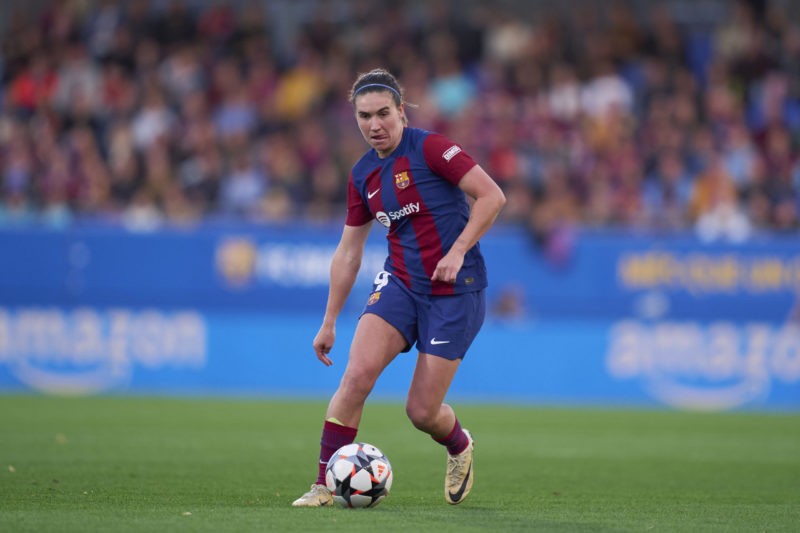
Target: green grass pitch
{"points": [[224, 465]]}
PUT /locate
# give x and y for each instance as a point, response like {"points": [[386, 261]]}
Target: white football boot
{"points": [[458, 481], [318, 496]]}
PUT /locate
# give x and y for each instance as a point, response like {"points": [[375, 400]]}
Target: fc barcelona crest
{"points": [[402, 180]]}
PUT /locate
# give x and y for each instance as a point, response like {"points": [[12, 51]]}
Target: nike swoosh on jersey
{"points": [[456, 496], [373, 193], [434, 341]]}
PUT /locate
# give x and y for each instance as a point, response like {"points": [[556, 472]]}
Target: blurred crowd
{"points": [[600, 115]]}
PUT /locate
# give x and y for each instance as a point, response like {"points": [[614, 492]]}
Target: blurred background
{"points": [[173, 186]]}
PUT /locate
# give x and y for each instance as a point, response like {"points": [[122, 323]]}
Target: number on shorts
{"points": [[381, 280]]}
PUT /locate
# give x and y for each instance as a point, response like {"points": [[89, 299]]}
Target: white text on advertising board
{"points": [[704, 367], [88, 350]]}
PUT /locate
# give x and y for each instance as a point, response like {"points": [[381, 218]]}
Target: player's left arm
{"points": [[488, 201]]}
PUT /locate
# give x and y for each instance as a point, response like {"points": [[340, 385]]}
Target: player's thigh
{"points": [[432, 378], [375, 344]]}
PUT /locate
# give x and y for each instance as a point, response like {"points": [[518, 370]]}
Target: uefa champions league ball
{"points": [[358, 475]]}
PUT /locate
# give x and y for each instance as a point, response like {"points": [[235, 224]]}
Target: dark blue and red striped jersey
{"points": [[414, 193]]}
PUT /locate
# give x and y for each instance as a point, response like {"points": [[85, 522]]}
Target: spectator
{"points": [[667, 192], [738, 154], [154, 122], [243, 187], [34, 86]]}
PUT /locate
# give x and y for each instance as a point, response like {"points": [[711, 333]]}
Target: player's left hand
{"points": [[448, 267]]}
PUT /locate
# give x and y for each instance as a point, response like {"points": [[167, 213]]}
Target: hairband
{"points": [[378, 85]]}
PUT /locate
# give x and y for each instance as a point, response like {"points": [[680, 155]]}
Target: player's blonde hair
{"points": [[377, 80]]}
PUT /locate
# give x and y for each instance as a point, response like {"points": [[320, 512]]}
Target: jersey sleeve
{"points": [[358, 213], [446, 158]]}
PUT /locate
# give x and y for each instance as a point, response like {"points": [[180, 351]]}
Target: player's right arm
{"points": [[345, 265]]}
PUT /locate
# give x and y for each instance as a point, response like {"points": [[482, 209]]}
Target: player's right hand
{"points": [[323, 343]]}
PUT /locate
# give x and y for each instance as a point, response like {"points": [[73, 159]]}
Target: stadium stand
{"points": [[621, 114]]}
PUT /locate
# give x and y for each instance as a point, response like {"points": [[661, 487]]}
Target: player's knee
{"points": [[357, 383], [422, 416]]}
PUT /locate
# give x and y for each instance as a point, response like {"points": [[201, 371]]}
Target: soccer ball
{"points": [[358, 475]]}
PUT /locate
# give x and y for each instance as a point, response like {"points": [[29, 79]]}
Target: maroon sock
{"points": [[334, 436], [456, 441]]}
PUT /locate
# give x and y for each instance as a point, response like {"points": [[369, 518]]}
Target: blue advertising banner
{"points": [[678, 364], [612, 320], [286, 269]]}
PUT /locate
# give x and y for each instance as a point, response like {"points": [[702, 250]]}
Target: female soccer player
{"points": [[431, 292]]}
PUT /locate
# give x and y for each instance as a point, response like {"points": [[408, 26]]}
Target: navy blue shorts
{"points": [[444, 326]]}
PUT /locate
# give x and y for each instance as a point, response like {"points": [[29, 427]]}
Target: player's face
{"points": [[380, 121]]}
